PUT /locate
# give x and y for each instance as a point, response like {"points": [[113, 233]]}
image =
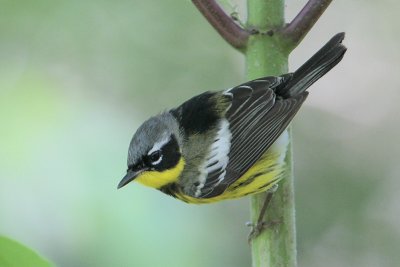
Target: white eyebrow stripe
{"points": [[159, 145]]}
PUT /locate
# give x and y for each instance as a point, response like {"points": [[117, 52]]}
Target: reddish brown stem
{"points": [[305, 20], [224, 24]]}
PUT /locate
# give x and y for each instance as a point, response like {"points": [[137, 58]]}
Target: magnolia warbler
{"points": [[226, 144]]}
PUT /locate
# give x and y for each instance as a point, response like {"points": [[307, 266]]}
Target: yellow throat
{"points": [[158, 179]]}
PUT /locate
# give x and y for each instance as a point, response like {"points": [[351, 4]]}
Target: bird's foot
{"points": [[258, 228]]}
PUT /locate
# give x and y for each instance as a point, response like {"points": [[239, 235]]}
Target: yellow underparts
{"points": [[157, 179], [264, 174]]}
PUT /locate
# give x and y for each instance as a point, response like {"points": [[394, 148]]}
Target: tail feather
{"points": [[316, 67]]}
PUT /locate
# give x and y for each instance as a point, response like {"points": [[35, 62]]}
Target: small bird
{"points": [[226, 144]]}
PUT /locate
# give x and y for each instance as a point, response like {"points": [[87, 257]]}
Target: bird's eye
{"points": [[155, 157]]}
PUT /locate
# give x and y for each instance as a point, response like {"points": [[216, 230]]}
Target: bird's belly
{"points": [[264, 174]]}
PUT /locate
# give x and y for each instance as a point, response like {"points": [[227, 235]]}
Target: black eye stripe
{"points": [[169, 154], [164, 159]]}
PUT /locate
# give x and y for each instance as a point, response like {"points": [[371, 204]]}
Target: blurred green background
{"points": [[78, 77]]}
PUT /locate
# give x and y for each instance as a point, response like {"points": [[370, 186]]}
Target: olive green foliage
{"points": [[13, 254]]}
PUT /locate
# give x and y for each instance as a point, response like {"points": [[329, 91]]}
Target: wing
{"points": [[256, 118]]}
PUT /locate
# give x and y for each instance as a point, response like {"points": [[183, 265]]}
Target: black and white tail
{"points": [[316, 67]]}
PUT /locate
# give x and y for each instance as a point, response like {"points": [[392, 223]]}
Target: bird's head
{"points": [[154, 155]]}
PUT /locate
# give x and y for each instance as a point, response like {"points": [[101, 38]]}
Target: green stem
{"points": [[267, 42], [267, 54]]}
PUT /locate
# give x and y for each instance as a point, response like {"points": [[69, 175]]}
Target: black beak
{"points": [[129, 177]]}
